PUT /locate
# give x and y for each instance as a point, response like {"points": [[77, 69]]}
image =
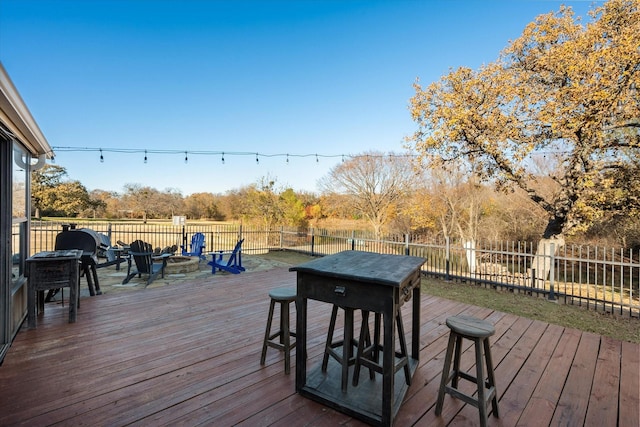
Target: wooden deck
{"points": [[189, 354]]}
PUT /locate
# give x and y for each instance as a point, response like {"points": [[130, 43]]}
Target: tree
{"points": [[293, 211], [43, 184], [103, 204], [202, 205], [70, 199], [561, 91], [141, 200], [52, 195], [376, 183], [261, 202]]}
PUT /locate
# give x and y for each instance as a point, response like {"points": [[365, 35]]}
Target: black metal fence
{"points": [[603, 279]]}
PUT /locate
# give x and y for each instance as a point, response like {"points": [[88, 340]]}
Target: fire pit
{"points": [[177, 264]]}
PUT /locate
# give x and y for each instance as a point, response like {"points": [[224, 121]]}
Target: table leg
{"points": [[301, 339], [74, 290], [415, 325], [388, 359], [31, 307], [347, 346]]}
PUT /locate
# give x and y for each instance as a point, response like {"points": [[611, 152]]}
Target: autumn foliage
{"points": [[564, 95]]}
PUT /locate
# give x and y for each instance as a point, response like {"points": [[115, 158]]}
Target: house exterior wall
{"points": [[20, 141]]}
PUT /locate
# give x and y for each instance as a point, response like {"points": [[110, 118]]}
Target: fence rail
{"points": [[601, 279]]}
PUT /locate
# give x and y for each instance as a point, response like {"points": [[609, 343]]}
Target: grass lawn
{"points": [[606, 324]]}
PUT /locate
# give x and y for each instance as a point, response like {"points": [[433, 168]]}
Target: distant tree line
{"points": [[381, 193]]}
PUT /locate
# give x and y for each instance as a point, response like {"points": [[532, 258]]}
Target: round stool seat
{"points": [[283, 294], [470, 326]]}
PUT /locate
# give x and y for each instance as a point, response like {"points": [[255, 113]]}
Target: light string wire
{"points": [[221, 153]]}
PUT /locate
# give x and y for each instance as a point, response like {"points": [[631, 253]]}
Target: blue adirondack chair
{"points": [[197, 246], [232, 265]]}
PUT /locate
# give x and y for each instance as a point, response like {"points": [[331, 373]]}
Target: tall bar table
{"points": [[52, 270], [367, 281]]}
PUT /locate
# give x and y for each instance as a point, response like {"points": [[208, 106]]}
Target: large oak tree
{"points": [[564, 93]]}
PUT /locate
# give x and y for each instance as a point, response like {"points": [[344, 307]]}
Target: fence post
{"points": [[184, 237], [281, 237], [552, 295], [447, 256], [353, 240], [533, 280], [406, 244], [313, 238], [109, 231]]}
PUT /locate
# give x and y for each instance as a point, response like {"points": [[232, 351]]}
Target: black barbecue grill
{"points": [[88, 241]]}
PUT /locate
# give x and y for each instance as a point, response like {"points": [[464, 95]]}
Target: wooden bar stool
{"points": [[368, 354], [346, 357], [284, 296], [479, 332]]}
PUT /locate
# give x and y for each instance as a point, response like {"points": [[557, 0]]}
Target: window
{"points": [[19, 220]]}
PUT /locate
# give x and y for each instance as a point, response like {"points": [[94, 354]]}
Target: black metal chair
{"points": [[112, 255]]}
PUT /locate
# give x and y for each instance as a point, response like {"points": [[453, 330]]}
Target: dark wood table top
{"points": [[370, 267], [45, 255]]}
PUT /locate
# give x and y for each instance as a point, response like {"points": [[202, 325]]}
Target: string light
{"points": [[224, 154]]}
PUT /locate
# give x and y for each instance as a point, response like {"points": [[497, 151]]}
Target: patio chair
{"points": [[112, 254], [197, 246], [233, 264], [146, 262]]}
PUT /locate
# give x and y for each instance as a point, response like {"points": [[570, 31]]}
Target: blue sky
{"points": [[300, 77]]}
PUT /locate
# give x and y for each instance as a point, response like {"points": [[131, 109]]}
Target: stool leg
{"points": [[482, 403], [376, 336], [285, 336], [368, 343], [361, 345], [456, 361], [491, 378], [445, 373], [364, 342], [327, 347], [403, 348], [347, 346], [267, 333]]}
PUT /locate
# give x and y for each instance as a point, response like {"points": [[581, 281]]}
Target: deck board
{"points": [[190, 355]]}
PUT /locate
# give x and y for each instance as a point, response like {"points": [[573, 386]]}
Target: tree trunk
{"points": [[541, 262]]}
